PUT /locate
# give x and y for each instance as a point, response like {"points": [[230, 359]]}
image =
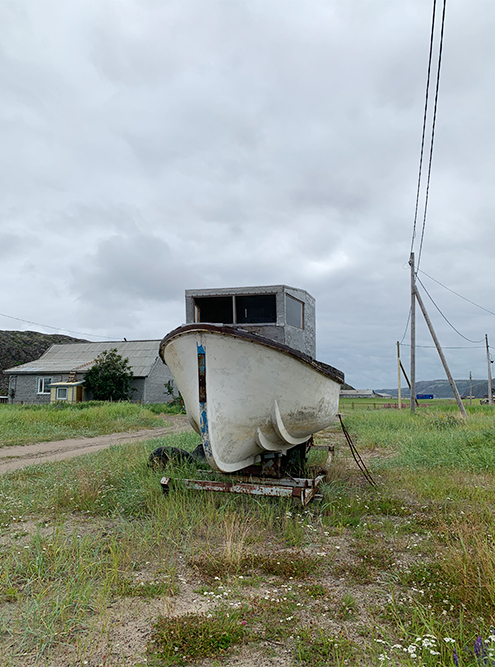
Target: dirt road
{"points": [[12, 458]]}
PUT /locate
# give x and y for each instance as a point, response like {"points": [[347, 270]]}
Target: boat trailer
{"points": [[261, 480]]}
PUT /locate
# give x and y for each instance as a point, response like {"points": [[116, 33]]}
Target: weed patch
{"points": [[314, 647], [191, 637]]}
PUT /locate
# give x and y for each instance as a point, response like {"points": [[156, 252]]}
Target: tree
{"points": [[109, 379]]}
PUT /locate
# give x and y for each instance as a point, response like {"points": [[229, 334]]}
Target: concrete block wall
{"points": [[302, 339], [155, 391], [26, 388]]}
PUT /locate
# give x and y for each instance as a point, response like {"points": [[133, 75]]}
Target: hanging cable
{"points": [[425, 114], [46, 326], [456, 293], [407, 326], [449, 323], [450, 347], [432, 134]]}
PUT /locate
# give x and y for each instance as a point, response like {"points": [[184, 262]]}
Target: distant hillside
{"points": [[19, 347], [442, 389]]}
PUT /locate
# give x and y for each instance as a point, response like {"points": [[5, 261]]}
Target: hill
{"points": [[19, 347], [442, 389]]}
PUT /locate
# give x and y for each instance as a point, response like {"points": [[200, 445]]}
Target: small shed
{"points": [[72, 392]]}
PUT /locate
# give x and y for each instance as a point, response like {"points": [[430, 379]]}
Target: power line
{"points": [[407, 326], [457, 294], [432, 133], [46, 326], [449, 323], [425, 114], [449, 347]]}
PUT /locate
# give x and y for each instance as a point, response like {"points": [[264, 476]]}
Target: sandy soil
{"points": [[13, 458], [118, 635]]}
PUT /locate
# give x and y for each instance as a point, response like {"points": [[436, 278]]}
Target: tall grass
{"points": [[401, 574], [26, 424], [433, 437]]}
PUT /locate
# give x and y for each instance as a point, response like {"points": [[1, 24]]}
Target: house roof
{"points": [[142, 354], [355, 393]]}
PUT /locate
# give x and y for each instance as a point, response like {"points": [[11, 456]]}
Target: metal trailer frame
{"points": [[300, 488]]}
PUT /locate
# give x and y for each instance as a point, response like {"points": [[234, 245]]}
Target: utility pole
{"points": [[441, 354], [490, 390], [399, 395], [470, 388], [413, 334]]}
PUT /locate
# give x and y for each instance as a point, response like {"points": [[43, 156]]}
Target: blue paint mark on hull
{"points": [[203, 411]]}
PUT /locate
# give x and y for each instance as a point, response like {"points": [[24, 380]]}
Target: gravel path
{"points": [[13, 458]]}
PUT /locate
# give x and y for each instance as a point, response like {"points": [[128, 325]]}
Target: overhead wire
{"points": [[449, 347], [440, 49], [47, 326], [407, 326], [448, 322], [456, 293], [425, 116]]}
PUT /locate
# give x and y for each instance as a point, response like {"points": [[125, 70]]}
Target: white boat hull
{"points": [[246, 395]]}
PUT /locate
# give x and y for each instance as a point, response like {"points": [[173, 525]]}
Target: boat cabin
{"points": [[283, 314]]}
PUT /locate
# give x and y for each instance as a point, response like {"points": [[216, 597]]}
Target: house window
{"points": [[294, 312], [44, 385], [61, 394]]}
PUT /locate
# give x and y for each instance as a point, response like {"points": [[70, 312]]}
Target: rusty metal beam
{"points": [[300, 488]]}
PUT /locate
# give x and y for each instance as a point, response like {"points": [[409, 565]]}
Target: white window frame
{"points": [[43, 384], [58, 390]]}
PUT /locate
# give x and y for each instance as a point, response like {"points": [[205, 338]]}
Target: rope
{"points": [[357, 458]]}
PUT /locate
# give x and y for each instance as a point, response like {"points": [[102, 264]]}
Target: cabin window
{"points": [[294, 312], [256, 309], [44, 385], [253, 309], [61, 394], [214, 309]]}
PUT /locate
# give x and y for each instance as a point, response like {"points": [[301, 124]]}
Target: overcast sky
{"points": [[153, 146]]}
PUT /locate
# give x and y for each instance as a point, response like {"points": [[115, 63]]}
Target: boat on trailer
{"points": [[248, 396]]}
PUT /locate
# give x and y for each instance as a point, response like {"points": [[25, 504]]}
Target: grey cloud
{"points": [[150, 147], [128, 268]]}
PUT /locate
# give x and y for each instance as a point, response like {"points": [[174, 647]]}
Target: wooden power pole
{"points": [[413, 335], [490, 389], [441, 354], [399, 394]]}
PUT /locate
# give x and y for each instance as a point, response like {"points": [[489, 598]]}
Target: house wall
{"points": [[26, 387], [148, 390], [155, 391]]}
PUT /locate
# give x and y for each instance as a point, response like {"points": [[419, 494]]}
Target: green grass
{"points": [[27, 424], [400, 574]]}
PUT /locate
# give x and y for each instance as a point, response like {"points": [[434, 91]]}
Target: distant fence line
{"points": [[372, 406]]}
